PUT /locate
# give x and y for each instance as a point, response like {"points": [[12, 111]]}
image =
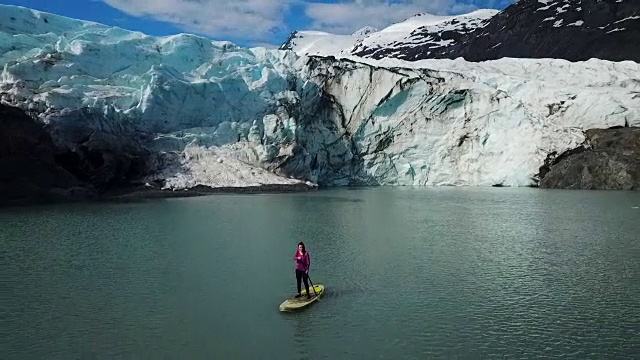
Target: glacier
{"points": [[214, 114]]}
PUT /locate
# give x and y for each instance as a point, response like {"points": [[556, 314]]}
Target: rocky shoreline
{"points": [[149, 192], [143, 193]]}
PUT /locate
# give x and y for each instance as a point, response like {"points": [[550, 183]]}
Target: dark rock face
{"points": [[609, 159], [110, 157], [288, 44], [60, 162], [29, 171], [573, 30]]}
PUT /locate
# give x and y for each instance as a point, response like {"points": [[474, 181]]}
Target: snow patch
{"points": [[616, 29], [628, 18]]}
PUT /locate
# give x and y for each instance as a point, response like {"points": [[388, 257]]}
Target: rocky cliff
{"points": [[29, 169], [608, 159]]}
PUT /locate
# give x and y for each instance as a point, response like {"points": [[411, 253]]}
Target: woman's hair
{"points": [[304, 249]]}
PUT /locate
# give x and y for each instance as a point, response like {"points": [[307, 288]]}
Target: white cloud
{"points": [[346, 17], [266, 21], [255, 20]]}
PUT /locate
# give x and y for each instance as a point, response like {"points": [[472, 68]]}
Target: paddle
{"points": [[312, 286]]}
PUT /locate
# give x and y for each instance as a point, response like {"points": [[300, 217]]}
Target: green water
{"points": [[410, 274]]}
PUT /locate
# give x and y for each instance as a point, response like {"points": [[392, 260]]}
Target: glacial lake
{"points": [[410, 273]]}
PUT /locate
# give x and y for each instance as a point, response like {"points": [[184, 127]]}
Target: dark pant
{"points": [[301, 275]]}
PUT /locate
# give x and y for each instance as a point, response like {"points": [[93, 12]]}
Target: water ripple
{"points": [[448, 273]]}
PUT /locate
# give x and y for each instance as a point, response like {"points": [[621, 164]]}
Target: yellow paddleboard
{"points": [[294, 303]]}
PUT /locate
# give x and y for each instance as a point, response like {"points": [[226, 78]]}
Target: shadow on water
{"points": [[360, 188], [338, 199]]}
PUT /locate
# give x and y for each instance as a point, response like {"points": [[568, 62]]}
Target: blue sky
{"points": [[251, 22]]}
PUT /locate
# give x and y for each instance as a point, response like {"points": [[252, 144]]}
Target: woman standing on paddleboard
{"points": [[303, 261]]}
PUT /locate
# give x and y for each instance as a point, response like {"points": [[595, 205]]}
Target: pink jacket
{"points": [[302, 261]]}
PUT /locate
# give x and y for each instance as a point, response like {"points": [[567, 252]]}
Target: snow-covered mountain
{"points": [[322, 43], [423, 33], [574, 30], [181, 111]]}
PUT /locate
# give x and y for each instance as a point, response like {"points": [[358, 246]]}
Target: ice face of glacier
{"points": [[194, 112], [450, 122]]}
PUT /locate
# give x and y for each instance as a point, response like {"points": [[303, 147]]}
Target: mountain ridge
{"points": [[574, 30]]}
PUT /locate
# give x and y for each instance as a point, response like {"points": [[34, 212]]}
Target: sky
{"points": [[251, 22]]}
